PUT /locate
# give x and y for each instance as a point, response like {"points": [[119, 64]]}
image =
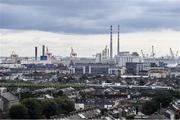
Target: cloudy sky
{"points": [[84, 25]]}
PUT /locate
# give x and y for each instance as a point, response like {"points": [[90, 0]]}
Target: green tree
{"points": [[26, 95], [68, 106], [50, 108], [34, 108], [142, 82], [175, 94], [149, 107], [84, 77], [130, 117], [104, 112], [18, 112], [61, 79], [64, 105], [58, 94], [163, 100]]}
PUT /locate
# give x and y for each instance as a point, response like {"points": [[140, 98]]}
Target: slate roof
{"points": [[8, 96], [85, 115]]}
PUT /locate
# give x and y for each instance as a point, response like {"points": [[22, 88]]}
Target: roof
{"points": [[88, 114], [2, 88], [48, 96], [69, 89], [8, 96], [82, 116], [45, 89], [157, 116]]}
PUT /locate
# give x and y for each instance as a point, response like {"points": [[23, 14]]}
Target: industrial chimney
{"points": [[111, 49], [118, 46], [36, 50], [43, 50], [43, 57]]}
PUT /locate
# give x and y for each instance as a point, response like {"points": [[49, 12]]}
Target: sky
{"points": [[84, 25]]}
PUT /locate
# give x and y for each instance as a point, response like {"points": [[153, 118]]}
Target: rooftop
{"points": [[8, 96]]}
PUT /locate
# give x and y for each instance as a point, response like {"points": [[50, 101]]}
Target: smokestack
{"points": [[118, 46], [36, 50], [111, 49], [43, 50]]}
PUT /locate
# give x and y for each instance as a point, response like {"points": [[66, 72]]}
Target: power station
{"points": [[118, 43], [36, 54], [43, 57]]}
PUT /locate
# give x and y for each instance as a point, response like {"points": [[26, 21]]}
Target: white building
{"points": [[9, 65], [105, 54], [98, 58], [79, 106], [123, 57], [158, 73]]}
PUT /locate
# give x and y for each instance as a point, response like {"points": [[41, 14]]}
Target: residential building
{"points": [[7, 100]]}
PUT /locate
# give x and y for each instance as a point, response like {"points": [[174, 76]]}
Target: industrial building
{"points": [[161, 73], [134, 68], [43, 57], [123, 57], [103, 63], [175, 71], [98, 58], [92, 68]]}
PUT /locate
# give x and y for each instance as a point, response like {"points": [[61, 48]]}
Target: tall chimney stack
{"points": [[43, 50], [111, 49], [118, 45], [36, 50]]}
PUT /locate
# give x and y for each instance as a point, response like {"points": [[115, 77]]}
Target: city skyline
{"points": [[90, 59], [60, 44], [85, 26]]}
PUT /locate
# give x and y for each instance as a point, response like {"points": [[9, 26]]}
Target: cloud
{"points": [[89, 17], [23, 42]]}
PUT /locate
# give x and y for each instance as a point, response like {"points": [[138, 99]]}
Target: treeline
{"points": [[159, 100], [40, 109]]}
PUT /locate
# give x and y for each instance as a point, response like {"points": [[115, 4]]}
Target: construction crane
{"points": [[177, 53], [153, 54], [73, 54], [171, 53], [14, 55], [48, 53]]}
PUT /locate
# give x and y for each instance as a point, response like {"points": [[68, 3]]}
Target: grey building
{"points": [[92, 68], [7, 100], [134, 68]]}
